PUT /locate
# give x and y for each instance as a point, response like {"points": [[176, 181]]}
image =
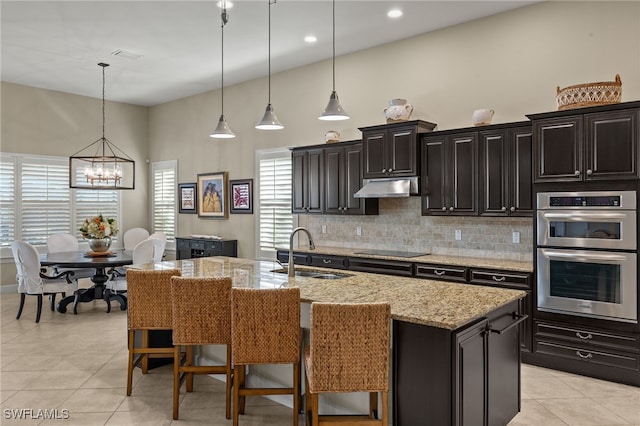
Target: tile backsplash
{"points": [[400, 226]]}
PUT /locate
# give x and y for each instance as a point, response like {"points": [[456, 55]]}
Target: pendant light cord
{"points": [[224, 21], [334, 45], [269, 50]]}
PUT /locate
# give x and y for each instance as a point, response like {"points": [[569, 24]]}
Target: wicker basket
{"points": [[589, 94]]}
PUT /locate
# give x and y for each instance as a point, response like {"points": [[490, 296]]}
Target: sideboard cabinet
{"points": [[190, 247]]}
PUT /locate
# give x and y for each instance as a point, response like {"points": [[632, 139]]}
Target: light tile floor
{"points": [[78, 363]]}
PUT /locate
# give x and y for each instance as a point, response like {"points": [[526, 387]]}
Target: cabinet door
{"points": [[315, 184], [558, 149], [463, 184], [402, 152], [334, 180], [470, 379], [375, 153], [520, 172], [353, 181], [503, 367], [494, 168], [434, 161], [299, 183], [611, 145]]}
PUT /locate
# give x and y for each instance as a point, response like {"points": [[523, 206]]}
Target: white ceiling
{"points": [[57, 44]]}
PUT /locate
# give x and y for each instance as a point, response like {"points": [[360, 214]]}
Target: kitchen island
{"points": [[456, 357]]}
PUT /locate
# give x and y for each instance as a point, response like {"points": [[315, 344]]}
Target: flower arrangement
{"points": [[99, 227]]}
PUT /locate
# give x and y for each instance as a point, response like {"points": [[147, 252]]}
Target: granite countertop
{"points": [[433, 303], [441, 259]]}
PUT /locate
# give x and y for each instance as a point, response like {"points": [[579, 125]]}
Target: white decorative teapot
{"points": [[398, 110], [332, 136], [482, 117]]}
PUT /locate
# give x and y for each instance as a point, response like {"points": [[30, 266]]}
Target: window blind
{"points": [[164, 198]]}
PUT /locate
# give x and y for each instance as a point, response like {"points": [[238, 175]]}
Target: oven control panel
{"points": [[618, 200], [585, 201]]}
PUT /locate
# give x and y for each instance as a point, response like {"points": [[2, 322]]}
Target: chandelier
{"points": [[101, 165]]}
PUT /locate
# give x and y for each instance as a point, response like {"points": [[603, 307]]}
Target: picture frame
{"points": [[212, 195], [187, 200], [241, 196]]}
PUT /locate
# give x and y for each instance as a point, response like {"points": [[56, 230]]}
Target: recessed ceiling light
{"points": [[225, 3], [310, 39], [394, 13]]}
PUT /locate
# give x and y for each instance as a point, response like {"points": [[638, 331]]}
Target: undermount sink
{"points": [[314, 274]]}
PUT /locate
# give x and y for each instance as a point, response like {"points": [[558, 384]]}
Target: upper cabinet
{"points": [[308, 173], [392, 150], [589, 144]]}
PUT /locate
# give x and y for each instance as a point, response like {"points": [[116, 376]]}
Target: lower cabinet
{"points": [[187, 248], [379, 266], [469, 376]]}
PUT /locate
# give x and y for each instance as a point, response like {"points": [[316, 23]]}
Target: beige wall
{"points": [[510, 62]]}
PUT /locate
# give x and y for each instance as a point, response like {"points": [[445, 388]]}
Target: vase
{"points": [[100, 245], [398, 110]]}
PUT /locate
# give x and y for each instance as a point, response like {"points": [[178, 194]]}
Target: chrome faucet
{"points": [[312, 246]]}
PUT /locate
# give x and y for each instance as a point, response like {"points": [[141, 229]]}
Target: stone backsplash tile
{"points": [[400, 226]]}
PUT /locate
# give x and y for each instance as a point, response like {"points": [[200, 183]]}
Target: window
{"points": [[36, 200], [164, 198], [275, 220]]}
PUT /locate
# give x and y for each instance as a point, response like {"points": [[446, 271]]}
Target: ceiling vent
{"points": [[121, 53]]}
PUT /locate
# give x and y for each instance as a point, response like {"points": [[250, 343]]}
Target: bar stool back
{"points": [[265, 329], [348, 352], [201, 316], [149, 299]]}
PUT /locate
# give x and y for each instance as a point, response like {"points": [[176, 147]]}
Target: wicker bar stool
{"points": [[348, 352], [265, 329], [201, 316], [149, 294]]}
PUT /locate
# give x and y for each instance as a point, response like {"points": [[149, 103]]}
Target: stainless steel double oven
{"points": [[587, 254]]}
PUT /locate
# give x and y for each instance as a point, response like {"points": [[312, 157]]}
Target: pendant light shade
{"points": [[269, 120], [222, 130], [101, 165], [334, 111]]}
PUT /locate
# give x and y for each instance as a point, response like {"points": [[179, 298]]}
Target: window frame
{"points": [[165, 165]]}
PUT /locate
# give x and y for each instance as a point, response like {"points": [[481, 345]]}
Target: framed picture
{"points": [[241, 196], [187, 198], [212, 195]]}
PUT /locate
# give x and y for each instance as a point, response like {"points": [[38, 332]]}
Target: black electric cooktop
{"points": [[392, 253]]}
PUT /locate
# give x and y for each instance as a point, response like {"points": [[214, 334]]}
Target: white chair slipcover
{"points": [[147, 251], [57, 243], [133, 236]]}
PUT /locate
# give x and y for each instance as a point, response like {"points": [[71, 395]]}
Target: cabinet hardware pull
{"points": [[498, 279], [384, 170], [518, 319], [444, 209], [326, 260], [513, 209], [390, 170], [504, 209], [451, 208], [587, 356], [439, 273], [589, 172], [576, 173], [588, 336]]}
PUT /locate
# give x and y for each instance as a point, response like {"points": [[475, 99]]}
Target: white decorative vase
{"points": [[482, 117], [398, 110], [100, 245], [332, 136]]}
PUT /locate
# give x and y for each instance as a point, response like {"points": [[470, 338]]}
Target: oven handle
{"points": [[582, 216], [584, 257]]}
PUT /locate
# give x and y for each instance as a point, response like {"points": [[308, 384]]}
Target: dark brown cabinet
{"points": [[588, 145], [343, 178], [187, 248], [450, 174], [506, 172], [307, 190], [392, 150]]}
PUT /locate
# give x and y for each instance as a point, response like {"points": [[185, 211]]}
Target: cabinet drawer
{"points": [[389, 267], [182, 244], [298, 258], [339, 262], [592, 356], [439, 272], [214, 246], [503, 279], [587, 338]]}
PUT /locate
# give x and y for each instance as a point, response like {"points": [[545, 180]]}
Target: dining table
{"points": [[101, 263]]}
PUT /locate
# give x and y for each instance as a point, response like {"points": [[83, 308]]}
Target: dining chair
{"points": [[31, 280], [147, 251], [133, 236], [348, 351], [58, 243], [201, 309], [265, 329], [149, 300]]}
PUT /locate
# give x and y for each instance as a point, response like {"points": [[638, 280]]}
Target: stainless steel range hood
{"points": [[388, 187]]}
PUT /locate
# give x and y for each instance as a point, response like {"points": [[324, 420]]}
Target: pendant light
{"points": [[222, 131], [334, 111], [101, 165], [269, 120]]}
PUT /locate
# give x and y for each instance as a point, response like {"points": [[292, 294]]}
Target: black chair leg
{"points": [[52, 298], [76, 299], [22, 297], [39, 308]]}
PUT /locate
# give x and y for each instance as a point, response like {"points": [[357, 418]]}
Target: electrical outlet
{"points": [[324, 229], [515, 237], [358, 230], [458, 234]]}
